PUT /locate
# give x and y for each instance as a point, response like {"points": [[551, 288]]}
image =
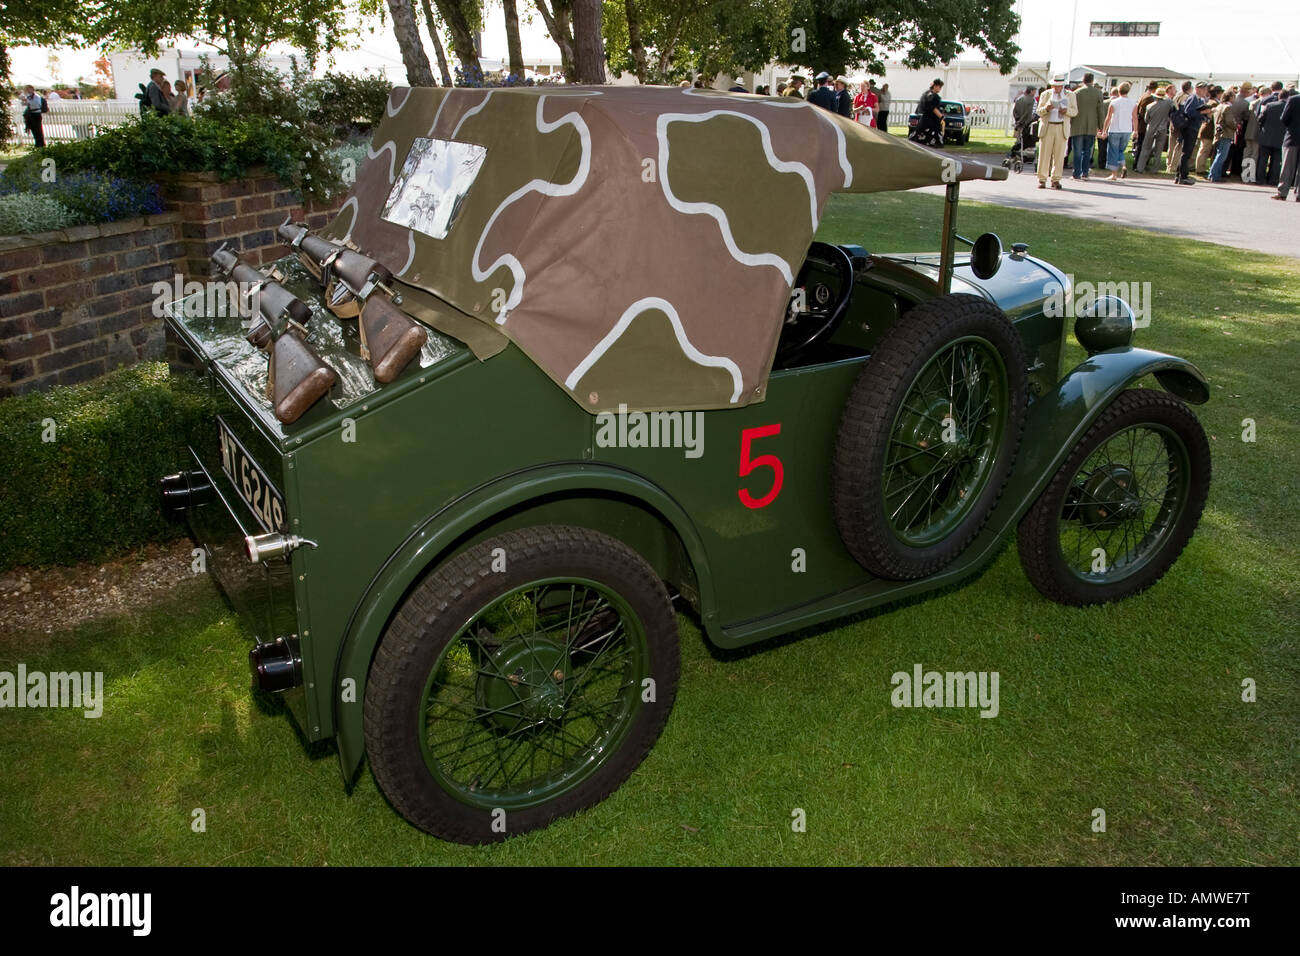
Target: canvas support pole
{"points": [[948, 249]]}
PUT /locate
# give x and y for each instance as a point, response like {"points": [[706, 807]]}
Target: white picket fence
{"points": [[983, 114], [75, 119], [989, 114]]}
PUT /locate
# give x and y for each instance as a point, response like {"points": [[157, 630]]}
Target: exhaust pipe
{"points": [[180, 491], [276, 666]]}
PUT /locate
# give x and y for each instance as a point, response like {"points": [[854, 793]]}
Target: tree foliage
{"points": [[842, 34], [463, 19], [42, 23], [241, 29], [680, 37]]}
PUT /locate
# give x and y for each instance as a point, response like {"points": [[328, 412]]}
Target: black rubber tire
{"points": [[432, 616], [1038, 539], [868, 420]]}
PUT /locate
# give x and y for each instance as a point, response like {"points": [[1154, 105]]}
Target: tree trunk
{"points": [[462, 36], [438, 51], [407, 34], [588, 46], [666, 54], [6, 124], [515, 49], [634, 41], [556, 18]]}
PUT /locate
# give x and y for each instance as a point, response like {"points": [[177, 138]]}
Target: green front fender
{"points": [[1054, 424], [436, 539], [1057, 421]]}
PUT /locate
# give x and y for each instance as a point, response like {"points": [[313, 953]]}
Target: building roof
{"points": [[1137, 72]]}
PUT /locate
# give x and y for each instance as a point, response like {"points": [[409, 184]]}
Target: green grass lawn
{"points": [[1134, 708], [11, 151], [982, 140]]}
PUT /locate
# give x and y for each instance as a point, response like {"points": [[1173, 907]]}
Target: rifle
{"points": [[296, 376], [389, 337]]}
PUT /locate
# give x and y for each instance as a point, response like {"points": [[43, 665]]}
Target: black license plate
{"points": [[250, 481]]}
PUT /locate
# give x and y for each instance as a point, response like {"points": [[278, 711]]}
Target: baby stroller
{"points": [[1025, 151]]}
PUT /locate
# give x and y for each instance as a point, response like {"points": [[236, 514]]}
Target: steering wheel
{"points": [[823, 308]]}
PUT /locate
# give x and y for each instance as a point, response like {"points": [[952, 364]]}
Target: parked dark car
{"points": [[956, 122]]}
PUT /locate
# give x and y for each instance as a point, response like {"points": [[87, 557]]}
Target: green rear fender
{"points": [[605, 498]]}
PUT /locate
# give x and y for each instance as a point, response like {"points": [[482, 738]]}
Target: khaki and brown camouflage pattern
{"points": [[638, 243]]}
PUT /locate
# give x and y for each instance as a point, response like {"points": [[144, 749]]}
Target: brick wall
{"points": [[78, 302], [242, 213]]}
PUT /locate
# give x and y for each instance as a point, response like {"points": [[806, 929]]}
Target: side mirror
{"points": [[986, 256]]}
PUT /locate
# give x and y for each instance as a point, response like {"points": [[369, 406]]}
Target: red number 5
{"points": [[762, 461]]}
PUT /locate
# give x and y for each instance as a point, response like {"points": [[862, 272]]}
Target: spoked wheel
{"points": [[1121, 509], [500, 700], [942, 446], [929, 436]]}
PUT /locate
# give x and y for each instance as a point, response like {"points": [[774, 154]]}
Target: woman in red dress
{"points": [[864, 105]]}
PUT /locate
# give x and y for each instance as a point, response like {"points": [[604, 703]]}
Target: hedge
{"points": [[92, 491], [228, 145]]}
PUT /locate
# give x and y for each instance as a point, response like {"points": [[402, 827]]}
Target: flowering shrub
{"points": [[31, 204], [94, 197], [348, 104], [287, 123], [31, 212]]}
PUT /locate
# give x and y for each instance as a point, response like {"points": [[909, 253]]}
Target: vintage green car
{"points": [[635, 385]]}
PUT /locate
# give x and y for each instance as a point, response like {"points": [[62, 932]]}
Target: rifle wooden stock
{"points": [[389, 338], [297, 378]]}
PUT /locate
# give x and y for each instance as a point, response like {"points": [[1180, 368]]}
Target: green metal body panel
{"points": [[452, 453]]}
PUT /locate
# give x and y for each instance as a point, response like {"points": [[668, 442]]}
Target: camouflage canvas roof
{"points": [[638, 243]]}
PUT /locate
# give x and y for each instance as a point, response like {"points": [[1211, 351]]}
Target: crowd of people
{"points": [[1247, 132], [161, 98], [158, 97], [868, 106]]}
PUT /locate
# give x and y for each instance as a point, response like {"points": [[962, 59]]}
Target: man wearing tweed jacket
{"points": [[1055, 108]]}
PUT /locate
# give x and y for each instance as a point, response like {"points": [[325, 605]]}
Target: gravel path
{"points": [[36, 601]]}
